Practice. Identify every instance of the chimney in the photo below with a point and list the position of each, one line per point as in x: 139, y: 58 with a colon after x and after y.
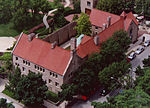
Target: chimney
x: 31, y: 36
x: 104, y: 26
x: 53, y: 45
x: 109, y: 21
x: 96, y: 40
x: 73, y: 44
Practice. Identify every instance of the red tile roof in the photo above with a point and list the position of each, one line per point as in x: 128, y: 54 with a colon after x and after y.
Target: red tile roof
x: 131, y: 16
x: 40, y: 53
x: 87, y: 47
x: 127, y: 23
x: 70, y: 17
x: 98, y: 17
x: 108, y: 32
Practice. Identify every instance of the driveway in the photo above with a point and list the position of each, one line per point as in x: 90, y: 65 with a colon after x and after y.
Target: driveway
x: 6, y: 42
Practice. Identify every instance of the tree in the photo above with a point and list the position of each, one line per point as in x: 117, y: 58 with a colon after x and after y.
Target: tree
x: 146, y: 62
x: 26, y: 14
x: 5, y: 11
x: 139, y: 71
x: 86, y: 81
x: 112, y: 6
x: 76, y: 6
x: 31, y: 89
x: 127, y: 99
x: 83, y: 25
x: 59, y: 19
x: 4, y: 104
x: 116, y: 46
x: 67, y: 93
x: 144, y: 81
x: 110, y: 76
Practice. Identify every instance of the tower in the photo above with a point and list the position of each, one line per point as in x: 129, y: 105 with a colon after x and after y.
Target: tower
x: 87, y: 5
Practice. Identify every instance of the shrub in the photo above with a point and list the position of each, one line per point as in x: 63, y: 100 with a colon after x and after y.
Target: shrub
x: 52, y: 96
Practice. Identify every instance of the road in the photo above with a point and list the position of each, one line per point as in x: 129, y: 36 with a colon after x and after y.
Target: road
x: 139, y: 58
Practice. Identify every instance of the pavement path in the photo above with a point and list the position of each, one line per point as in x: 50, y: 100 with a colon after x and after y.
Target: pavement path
x: 6, y: 42
x: 50, y: 12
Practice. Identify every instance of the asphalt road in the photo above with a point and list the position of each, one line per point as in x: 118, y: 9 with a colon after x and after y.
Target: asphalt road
x: 139, y: 58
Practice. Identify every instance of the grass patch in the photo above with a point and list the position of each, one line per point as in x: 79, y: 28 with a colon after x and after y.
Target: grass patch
x: 8, y: 30
x: 8, y: 93
x: 52, y: 96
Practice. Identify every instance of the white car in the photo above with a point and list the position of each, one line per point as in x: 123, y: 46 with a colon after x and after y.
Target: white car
x: 139, y: 50
x: 147, y: 43
x: 132, y: 56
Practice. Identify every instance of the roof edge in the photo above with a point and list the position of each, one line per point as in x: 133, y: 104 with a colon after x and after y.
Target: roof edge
x: 67, y: 65
x: 17, y: 42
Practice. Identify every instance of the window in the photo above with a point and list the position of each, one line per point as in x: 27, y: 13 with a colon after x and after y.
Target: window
x: 53, y: 74
x: 56, y: 75
x: 88, y: 3
x: 56, y: 83
x: 15, y: 63
x: 50, y: 73
x: 16, y: 58
x: 40, y: 69
x: 96, y: 27
x: 50, y: 81
x: 35, y: 66
x: 43, y: 70
x: 23, y: 61
x: 28, y: 63
x: 18, y: 65
x: 23, y: 69
x: 29, y: 71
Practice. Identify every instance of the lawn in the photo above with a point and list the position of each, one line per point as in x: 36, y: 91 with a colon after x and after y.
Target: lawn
x: 52, y: 96
x: 8, y: 30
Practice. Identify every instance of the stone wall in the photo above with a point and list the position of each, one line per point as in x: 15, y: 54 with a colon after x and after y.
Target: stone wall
x: 62, y: 35
x: 134, y: 34
x: 49, y: 76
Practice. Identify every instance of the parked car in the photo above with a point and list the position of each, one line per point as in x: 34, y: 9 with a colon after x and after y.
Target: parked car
x: 139, y: 50
x: 104, y: 92
x: 132, y: 56
x: 147, y: 43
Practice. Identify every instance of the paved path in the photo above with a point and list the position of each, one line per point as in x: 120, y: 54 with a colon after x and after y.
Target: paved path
x: 15, y: 103
x: 6, y: 42
x: 50, y: 12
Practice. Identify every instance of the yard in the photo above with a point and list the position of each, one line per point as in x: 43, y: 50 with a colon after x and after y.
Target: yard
x: 7, y: 30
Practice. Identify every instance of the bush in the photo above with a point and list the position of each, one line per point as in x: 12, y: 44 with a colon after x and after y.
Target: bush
x: 6, y: 56
x: 8, y: 93
x: 52, y: 96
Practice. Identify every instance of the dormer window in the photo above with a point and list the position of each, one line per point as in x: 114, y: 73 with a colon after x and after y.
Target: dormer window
x: 88, y: 3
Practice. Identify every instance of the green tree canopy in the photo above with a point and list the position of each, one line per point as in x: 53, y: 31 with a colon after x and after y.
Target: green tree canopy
x: 31, y: 89
x: 110, y: 76
x: 4, y: 104
x: 144, y: 81
x: 83, y: 25
x: 127, y: 99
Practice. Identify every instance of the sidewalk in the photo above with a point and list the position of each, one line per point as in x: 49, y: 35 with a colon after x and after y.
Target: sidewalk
x: 15, y: 103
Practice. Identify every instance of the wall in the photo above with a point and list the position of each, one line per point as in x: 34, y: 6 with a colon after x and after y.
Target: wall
x: 134, y: 28
x: 62, y: 35
x: 83, y: 4
x: 46, y: 74
x: 74, y: 65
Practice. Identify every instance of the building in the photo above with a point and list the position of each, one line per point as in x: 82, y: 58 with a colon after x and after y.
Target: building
x: 87, y: 5
x: 55, y: 63
x: 101, y: 20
